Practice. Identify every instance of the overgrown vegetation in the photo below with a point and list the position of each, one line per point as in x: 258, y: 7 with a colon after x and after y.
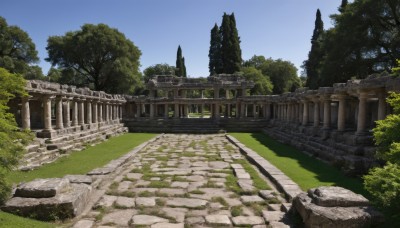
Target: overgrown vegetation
x: 12, y: 139
x: 384, y: 182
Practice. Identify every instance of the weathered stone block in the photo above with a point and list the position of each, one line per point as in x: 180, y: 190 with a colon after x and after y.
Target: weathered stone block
x: 354, y: 213
x: 67, y: 204
x: 41, y: 188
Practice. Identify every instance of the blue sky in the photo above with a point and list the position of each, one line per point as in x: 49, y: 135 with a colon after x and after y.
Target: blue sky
x: 272, y: 28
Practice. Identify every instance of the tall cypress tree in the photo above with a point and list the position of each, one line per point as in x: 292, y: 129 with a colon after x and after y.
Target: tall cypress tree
x: 214, y: 54
x: 183, y: 67
x: 316, y: 54
x: 230, y: 45
x: 225, y: 31
x: 179, y: 62
x: 236, y: 54
x: 343, y: 6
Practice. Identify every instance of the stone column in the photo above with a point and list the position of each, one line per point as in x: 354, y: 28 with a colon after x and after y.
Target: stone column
x: 25, y: 113
x: 107, y: 109
x: 47, y: 112
x: 120, y: 111
x: 341, y: 112
x: 95, y: 114
x: 362, y: 107
x: 176, y: 110
x: 254, y: 111
x: 327, y: 112
x: 300, y: 117
x: 305, y: 112
x: 381, y: 105
x: 202, y: 110
x: 237, y: 113
x: 242, y: 110
x: 100, y: 112
x: 74, y: 112
x: 267, y: 111
x: 88, y: 111
x: 151, y: 110
x: 166, y: 111
x: 66, y: 113
x: 217, y: 107
x: 229, y: 110
x: 59, y: 113
x: 316, y: 112
x: 81, y: 110
x: 227, y: 94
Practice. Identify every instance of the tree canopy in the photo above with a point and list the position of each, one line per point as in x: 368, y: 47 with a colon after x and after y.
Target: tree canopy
x: 180, y: 69
x: 101, y: 56
x: 12, y: 140
x: 365, y: 39
x: 17, y: 51
x: 215, y: 64
x: 282, y: 74
x: 158, y: 69
x: 311, y: 66
x: 225, y: 54
x: 263, y: 85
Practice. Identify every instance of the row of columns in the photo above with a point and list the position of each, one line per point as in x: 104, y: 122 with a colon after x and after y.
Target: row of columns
x: 299, y: 112
x: 95, y: 111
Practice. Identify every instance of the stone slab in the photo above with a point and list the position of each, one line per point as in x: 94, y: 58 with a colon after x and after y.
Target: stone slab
x: 336, y: 197
x: 147, y: 220
x: 62, y: 206
x: 84, y: 223
x: 120, y: 217
x: 251, y: 199
x: 168, y: 225
x: 186, y: 202
x: 218, y: 220
x: 247, y: 220
x: 79, y: 179
x: 41, y: 188
x: 125, y: 202
x: 145, y: 201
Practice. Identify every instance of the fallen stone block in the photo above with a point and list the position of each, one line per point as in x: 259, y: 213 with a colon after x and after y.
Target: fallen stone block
x: 329, y: 207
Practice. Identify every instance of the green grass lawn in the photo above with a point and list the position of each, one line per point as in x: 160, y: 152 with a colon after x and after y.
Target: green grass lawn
x: 77, y: 163
x: 81, y: 162
x: 9, y: 221
x: 306, y: 171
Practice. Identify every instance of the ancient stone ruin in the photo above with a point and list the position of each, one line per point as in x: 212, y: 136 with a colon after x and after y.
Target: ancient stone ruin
x: 333, y: 124
x: 335, y: 207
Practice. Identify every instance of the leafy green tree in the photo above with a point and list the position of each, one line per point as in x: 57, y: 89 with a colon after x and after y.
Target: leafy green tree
x: 283, y: 74
x: 12, y: 140
x: 230, y: 45
x: 34, y: 72
x: 215, y: 64
x: 54, y: 75
x: 312, y: 64
x: 158, y: 69
x: 180, y: 70
x: 102, y: 56
x: 364, y: 40
x: 17, y: 51
x: 263, y: 85
x: 384, y: 182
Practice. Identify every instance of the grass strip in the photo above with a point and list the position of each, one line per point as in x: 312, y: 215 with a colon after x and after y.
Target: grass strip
x: 306, y: 171
x: 81, y: 162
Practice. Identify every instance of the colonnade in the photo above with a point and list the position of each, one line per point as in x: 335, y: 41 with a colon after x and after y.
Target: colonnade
x: 72, y: 111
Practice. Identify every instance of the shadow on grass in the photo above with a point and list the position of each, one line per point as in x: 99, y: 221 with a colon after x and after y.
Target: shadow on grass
x: 307, y: 171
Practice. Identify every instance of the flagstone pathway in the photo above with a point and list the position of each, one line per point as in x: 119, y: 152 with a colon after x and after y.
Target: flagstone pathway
x: 187, y: 181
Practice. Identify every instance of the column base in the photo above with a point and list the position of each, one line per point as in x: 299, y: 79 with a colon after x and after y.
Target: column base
x: 46, y: 134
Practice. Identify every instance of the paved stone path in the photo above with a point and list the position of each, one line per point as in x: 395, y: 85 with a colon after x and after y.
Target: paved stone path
x: 186, y: 181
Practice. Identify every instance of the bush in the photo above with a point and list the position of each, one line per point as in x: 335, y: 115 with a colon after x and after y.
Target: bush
x: 12, y: 140
x: 384, y: 182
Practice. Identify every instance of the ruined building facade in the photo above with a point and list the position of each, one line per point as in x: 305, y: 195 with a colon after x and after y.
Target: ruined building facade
x: 331, y: 123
